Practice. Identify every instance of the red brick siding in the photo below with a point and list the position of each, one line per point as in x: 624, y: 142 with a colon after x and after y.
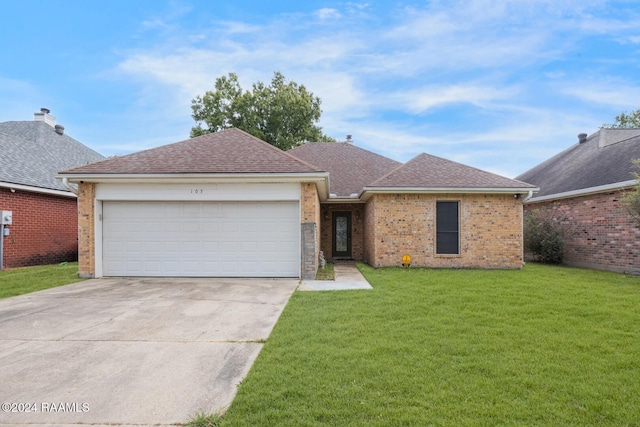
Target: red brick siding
x: 598, y: 231
x: 44, y: 229
x: 490, y: 230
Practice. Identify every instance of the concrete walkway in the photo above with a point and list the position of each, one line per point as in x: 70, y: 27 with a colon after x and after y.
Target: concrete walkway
x: 347, y: 277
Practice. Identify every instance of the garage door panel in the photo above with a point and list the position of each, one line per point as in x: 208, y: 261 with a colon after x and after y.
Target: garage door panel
x: 201, y: 239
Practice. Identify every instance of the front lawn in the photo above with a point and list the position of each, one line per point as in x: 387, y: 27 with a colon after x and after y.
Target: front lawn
x: 20, y: 281
x: 541, y: 346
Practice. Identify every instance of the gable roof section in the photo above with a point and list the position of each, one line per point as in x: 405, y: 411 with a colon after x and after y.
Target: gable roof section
x: 33, y: 153
x: 231, y: 151
x: 350, y: 168
x: 430, y: 173
x: 603, y: 161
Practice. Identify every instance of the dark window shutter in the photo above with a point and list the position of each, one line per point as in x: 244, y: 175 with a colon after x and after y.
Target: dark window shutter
x: 447, y: 228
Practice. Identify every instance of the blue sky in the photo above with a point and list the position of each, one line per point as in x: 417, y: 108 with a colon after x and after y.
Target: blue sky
x: 500, y: 85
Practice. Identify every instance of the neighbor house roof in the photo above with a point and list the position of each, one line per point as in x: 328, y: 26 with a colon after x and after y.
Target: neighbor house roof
x: 33, y: 152
x: 350, y: 168
x: 231, y: 151
x: 602, y: 161
x: 430, y: 172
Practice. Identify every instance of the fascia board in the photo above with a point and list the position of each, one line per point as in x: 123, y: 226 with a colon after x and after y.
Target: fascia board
x: 584, y: 191
x: 38, y: 189
x: 368, y: 191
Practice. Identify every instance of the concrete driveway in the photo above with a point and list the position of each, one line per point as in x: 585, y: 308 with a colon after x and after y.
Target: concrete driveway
x: 132, y: 351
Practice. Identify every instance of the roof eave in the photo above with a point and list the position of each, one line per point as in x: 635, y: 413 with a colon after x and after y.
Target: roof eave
x: 41, y: 190
x: 369, y: 191
x: 585, y: 191
x: 320, y: 178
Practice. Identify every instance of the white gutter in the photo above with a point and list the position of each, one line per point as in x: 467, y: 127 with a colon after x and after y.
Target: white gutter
x: 138, y: 177
x: 585, y: 191
x: 65, y: 182
x: 320, y: 178
x: 37, y: 189
x: 529, y: 196
x: 366, y: 191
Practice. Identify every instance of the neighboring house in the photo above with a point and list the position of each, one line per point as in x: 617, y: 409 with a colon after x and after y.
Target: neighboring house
x: 229, y: 204
x: 581, y: 189
x: 44, y: 229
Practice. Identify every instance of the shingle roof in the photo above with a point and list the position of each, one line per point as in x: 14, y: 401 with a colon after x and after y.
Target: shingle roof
x: 426, y: 171
x: 32, y: 153
x: 228, y: 151
x: 604, y: 158
x: 350, y: 168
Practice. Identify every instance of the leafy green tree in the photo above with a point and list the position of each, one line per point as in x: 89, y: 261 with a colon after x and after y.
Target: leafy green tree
x: 283, y: 113
x: 624, y: 120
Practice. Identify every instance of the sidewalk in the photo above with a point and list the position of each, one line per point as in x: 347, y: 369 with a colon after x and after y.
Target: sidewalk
x: 347, y: 277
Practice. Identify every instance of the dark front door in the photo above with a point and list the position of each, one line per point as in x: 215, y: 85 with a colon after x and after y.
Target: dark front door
x: 342, y: 234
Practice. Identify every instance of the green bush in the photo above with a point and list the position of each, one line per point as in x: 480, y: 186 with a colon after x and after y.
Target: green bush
x: 543, y: 238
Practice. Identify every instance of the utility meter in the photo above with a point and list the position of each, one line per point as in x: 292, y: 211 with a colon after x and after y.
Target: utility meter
x: 6, y: 217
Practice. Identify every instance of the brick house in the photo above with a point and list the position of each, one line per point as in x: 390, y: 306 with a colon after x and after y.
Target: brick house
x: 44, y: 229
x: 229, y: 204
x: 581, y: 189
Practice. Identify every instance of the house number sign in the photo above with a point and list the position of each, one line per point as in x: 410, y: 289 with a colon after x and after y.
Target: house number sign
x: 197, y: 191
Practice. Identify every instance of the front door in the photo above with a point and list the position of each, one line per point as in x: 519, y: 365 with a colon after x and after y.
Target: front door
x: 342, y: 234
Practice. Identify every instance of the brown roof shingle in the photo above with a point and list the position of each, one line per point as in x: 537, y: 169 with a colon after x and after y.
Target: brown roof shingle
x: 350, y: 168
x: 228, y: 151
x: 426, y: 171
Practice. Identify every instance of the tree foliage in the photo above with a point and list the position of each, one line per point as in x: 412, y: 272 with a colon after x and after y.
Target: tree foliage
x: 285, y: 114
x: 631, y: 200
x: 543, y: 238
x: 625, y: 121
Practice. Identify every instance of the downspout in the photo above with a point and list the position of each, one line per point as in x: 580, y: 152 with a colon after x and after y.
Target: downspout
x: 529, y: 196
x: 1, y: 245
x: 65, y: 182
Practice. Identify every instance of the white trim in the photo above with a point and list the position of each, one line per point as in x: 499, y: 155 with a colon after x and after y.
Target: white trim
x: 38, y: 190
x: 97, y: 237
x: 197, y: 177
x: 320, y: 178
x: 585, y: 191
x: 367, y: 191
x: 198, y: 192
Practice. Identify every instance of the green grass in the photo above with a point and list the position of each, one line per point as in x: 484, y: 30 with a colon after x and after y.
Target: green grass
x: 543, y: 346
x: 326, y: 273
x: 30, y: 279
x: 202, y: 419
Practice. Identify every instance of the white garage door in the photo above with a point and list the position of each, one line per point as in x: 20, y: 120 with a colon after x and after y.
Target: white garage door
x: 201, y: 239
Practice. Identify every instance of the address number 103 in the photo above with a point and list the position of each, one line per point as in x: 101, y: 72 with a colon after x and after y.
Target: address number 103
x: 197, y: 191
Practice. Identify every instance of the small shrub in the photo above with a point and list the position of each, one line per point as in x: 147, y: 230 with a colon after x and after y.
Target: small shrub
x: 543, y: 238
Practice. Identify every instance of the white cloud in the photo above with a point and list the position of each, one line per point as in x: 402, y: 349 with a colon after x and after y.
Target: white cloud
x: 327, y: 13
x: 406, y: 66
x: 614, y: 93
x: 423, y: 99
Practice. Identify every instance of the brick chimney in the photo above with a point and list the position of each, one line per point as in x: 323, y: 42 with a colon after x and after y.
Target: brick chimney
x: 44, y: 116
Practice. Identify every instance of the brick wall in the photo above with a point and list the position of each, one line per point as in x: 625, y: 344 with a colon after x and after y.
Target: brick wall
x: 490, y: 230
x: 311, y: 229
x: 44, y: 229
x: 86, y: 230
x: 598, y: 231
x: 357, y: 228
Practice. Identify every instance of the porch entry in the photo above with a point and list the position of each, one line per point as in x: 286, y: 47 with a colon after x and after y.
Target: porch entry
x: 342, y: 235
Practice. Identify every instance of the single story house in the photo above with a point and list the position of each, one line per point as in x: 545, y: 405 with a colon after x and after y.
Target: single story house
x: 581, y: 189
x: 229, y: 204
x: 44, y: 226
